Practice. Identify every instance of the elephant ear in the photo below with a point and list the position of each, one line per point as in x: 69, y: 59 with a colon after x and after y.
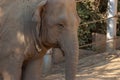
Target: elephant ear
x: 38, y: 12
x: 37, y: 18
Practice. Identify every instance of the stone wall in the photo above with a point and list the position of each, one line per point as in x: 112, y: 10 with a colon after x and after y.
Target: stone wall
x: 100, y: 42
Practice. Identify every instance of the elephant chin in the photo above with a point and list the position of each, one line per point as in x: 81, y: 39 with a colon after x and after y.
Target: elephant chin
x: 71, y: 51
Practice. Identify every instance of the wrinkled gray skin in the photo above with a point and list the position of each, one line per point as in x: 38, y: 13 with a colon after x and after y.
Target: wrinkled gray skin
x: 28, y: 28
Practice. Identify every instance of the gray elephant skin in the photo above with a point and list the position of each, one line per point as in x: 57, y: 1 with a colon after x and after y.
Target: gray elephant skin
x: 28, y: 28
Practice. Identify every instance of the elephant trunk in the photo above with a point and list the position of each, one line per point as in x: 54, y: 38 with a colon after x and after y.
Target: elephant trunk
x: 71, y: 50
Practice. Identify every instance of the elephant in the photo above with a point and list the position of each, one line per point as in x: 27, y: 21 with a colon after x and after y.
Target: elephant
x: 47, y: 62
x: 28, y: 28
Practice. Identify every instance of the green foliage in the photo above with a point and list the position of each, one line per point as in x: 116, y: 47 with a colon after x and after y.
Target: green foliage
x: 87, y: 13
x: 118, y: 27
x: 91, y: 10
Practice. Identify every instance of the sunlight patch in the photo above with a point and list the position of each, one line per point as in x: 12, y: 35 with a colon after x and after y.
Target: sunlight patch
x: 20, y: 37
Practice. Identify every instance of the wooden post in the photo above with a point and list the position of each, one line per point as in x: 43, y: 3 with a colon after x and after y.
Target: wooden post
x: 111, y: 25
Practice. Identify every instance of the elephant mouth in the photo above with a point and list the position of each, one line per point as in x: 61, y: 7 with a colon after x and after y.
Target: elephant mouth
x: 51, y: 45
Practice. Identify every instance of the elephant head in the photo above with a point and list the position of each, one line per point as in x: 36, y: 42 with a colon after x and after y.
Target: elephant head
x: 57, y: 24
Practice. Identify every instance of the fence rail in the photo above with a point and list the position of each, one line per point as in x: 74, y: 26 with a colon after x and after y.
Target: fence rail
x: 94, y: 21
x: 91, y: 22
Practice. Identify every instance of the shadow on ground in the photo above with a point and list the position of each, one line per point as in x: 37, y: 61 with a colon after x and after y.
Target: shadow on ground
x: 102, y: 66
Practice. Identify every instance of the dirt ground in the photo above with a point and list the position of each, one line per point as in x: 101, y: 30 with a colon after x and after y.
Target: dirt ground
x: 104, y: 66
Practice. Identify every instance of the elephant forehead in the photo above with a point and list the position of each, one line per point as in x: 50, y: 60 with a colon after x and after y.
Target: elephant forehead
x: 56, y: 7
x: 60, y: 11
x: 61, y: 1
x: 1, y: 12
x: 65, y: 3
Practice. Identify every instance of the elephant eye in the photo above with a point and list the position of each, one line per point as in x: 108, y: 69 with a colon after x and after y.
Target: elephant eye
x: 61, y: 26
